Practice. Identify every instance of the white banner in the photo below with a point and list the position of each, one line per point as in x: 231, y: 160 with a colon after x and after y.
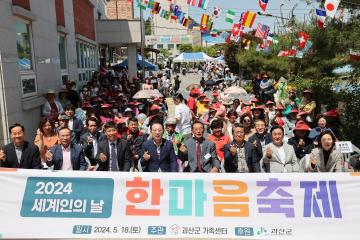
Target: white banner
x: 60, y: 204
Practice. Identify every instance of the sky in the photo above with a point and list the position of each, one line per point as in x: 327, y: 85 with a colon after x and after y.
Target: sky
x: 301, y: 10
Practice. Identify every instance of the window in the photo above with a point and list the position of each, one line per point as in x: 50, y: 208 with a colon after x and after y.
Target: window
x: 160, y: 46
x: 28, y: 84
x: 23, y: 44
x: 62, y: 52
x: 25, y: 57
x: 87, y: 60
x: 171, y: 46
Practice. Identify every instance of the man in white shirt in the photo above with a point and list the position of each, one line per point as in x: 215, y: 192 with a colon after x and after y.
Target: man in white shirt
x: 183, y: 117
x: 66, y: 155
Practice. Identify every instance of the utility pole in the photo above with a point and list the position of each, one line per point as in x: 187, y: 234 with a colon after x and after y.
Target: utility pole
x: 142, y: 31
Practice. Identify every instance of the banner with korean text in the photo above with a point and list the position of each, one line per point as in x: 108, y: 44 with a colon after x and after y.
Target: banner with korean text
x: 60, y: 204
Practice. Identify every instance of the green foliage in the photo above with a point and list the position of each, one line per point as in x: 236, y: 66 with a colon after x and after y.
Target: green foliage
x: 165, y: 53
x: 315, y: 70
x: 185, y: 48
x: 230, y: 57
x: 350, y: 116
x: 212, y: 51
x: 252, y: 62
x: 148, y: 30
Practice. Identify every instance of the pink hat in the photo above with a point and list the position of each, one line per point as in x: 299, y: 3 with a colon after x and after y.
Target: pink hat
x: 155, y: 108
x: 106, y: 105
x: 303, y: 113
x: 301, y: 126
x: 254, y: 99
x: 118, y: 120
x: 279, y: 107
x: 195, y: 91
x: 260, y: 107
x: 294, y: 110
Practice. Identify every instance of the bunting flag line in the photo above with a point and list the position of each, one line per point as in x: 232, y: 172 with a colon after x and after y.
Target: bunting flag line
x: 203, y: 4
x: 230, y: 15
x: 331, y: 7
x: 185, y: 22
x: 151, y: 4
x: 248, y: 19
x: 262, y: 31
x: 272, y: 39
x: 236, y: 32
x: 156, y: 8
x: 191, y: 2
x: 142, y: 4
x: 321, y: 17
x: 303, y: 38
x: 214, y: 33
x: 216, y: 13
x: 287, y: 53
x: 236, y: 29
x: 204, y: 22
x: 165, y: 14
x: 263, y: 4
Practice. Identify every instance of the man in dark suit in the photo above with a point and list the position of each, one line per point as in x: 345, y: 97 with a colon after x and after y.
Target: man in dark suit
x: 114, y: 154
x: 74, y: 124
x: 158, y: 154
x: 66, y: 155
x: 258, y: 141
x: 91, y: 139
x: 237, y: 153
x: 199, y: 152
x: 20, y: 153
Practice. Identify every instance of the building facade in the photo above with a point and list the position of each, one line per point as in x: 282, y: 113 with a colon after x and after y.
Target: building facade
x: 120, y: 9
x: 42, y: 45
x: 168, y: 34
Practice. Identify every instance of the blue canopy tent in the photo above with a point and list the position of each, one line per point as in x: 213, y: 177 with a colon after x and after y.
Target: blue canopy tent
x: 193, y: 57
x: 148, y: 65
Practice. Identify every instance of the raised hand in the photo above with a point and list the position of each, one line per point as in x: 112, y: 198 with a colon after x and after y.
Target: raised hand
x: 183, y: 148
x: 146, y: 156
x: 233, y: 150
x: 48, y: 155
x: 102, y: 157
x: 268, y: 152
x: 2, y: 155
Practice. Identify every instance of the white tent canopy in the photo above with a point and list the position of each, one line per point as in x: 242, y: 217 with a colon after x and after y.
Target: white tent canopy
x: 193, y: 57
x: 220, y: 59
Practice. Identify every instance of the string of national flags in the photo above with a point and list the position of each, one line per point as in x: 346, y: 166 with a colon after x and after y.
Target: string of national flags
x: 174, y: 13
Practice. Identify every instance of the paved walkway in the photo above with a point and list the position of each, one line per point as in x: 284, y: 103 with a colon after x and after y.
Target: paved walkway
x: 186, y: 80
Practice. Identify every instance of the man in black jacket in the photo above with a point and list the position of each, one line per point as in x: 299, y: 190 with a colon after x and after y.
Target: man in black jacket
x: 237, y: 153
x: 91, y: 139
x: 20, y: 153
x: 75, y: 125
x: 114, y: 153
x: 258, y: 141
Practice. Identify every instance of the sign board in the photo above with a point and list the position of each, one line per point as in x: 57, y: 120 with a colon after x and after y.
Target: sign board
x: 344, y: 146
x: 168, y: 205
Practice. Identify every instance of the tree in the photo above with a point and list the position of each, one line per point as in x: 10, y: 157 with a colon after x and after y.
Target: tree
x: 148, y: 26
x: 185, y: 48
x: 165, y: 53
x: 330, y: 50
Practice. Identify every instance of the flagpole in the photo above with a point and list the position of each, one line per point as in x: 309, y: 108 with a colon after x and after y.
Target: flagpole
x: 142, y: 31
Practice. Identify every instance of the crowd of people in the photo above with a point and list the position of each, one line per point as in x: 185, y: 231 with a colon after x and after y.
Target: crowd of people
x: 102, y: 128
